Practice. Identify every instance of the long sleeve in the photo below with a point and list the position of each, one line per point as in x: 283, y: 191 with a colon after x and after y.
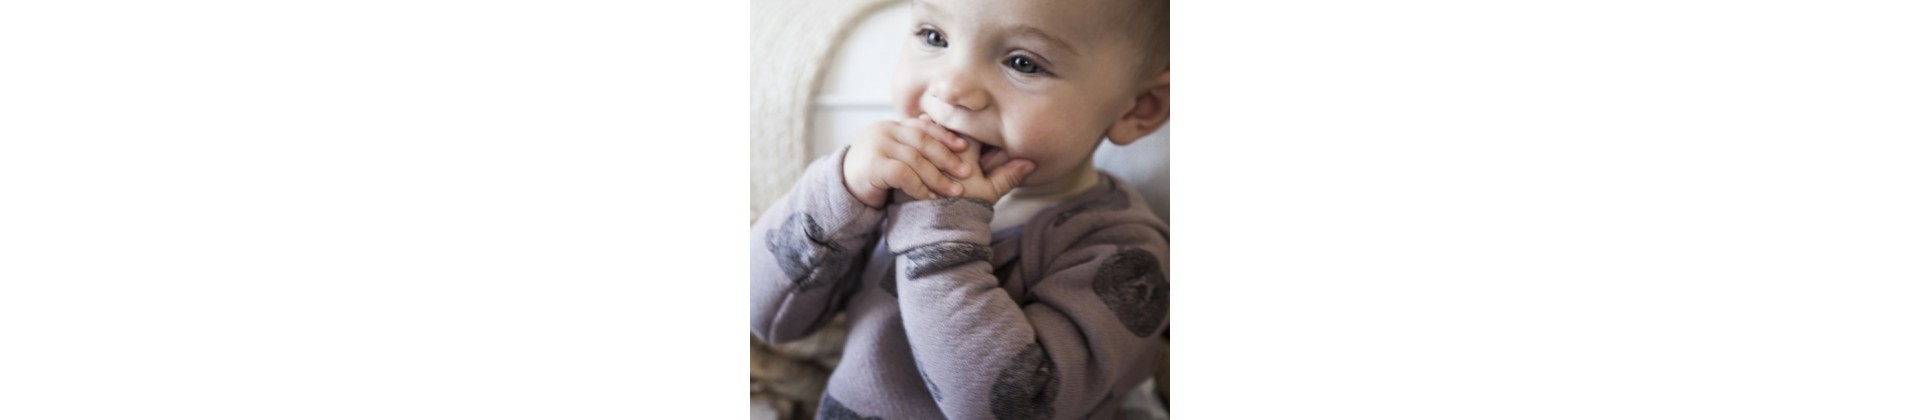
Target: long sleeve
x: 806, y: 252
x: 1061, y: 351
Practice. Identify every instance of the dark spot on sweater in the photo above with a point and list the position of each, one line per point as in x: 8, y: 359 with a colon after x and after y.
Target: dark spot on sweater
x: 944, y: 255
x: 1134, y: 287
x: 832, y: 409
x: 1026, y: 387
x: 804, y: 253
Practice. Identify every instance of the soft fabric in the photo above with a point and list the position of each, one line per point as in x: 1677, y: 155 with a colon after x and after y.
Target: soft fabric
x: 1057, y: 318
x: 792, y: 42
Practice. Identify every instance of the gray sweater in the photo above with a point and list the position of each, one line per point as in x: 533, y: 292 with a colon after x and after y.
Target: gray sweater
x: 1056, y: 318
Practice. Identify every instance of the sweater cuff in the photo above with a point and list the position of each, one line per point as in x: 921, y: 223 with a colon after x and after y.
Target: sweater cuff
x: 843, y: 209
x: 916, y: 224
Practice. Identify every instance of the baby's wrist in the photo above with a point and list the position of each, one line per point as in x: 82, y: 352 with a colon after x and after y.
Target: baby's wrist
x: 864, y: 195
x: 954, y: 219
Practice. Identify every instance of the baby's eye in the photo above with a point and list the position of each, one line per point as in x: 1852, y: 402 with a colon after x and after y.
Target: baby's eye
x: 1023, y: 65
x: 933, y: 37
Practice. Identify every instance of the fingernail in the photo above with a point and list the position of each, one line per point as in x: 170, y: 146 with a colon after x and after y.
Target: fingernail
x: 953, y: 189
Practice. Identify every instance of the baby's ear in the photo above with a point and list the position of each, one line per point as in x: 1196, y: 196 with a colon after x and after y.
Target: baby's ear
x: 1149, y: 112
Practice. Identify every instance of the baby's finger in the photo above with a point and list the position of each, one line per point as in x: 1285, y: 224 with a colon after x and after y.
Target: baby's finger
x: 948, y: 137
x: 971, y: 156
x: 945, y: 159
x: 1010, y: 175
x: 928, y: 172
x: 937, y: 180
x: 899, y: 175
x: 914, y: 134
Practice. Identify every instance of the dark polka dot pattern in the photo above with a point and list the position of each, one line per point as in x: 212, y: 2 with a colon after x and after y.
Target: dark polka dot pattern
x: 1134, y: 287
x: 1026, y: 388
x: 944, y: 255
x: 801, y: 248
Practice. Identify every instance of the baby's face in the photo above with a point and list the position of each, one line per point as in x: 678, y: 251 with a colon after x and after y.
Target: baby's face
x: 1041, y: 79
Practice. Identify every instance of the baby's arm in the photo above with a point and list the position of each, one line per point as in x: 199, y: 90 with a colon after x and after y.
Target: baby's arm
x: 983, y: 355
x: 806, y: 253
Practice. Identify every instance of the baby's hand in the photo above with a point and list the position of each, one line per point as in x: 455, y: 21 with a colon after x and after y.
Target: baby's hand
x: 990, y: 186
x: 909, y: 156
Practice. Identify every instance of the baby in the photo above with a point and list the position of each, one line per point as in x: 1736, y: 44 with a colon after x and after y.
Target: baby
x: 986, y: 269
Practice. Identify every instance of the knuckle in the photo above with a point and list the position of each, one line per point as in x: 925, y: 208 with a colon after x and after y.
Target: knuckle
x: 935, y: 149
x: 878, y: 131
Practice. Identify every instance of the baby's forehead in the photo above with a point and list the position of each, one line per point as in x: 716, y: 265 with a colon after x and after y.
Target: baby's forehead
x: 1076, y: 22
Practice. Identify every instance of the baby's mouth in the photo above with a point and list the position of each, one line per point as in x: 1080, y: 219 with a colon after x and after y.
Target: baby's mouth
x: 991, y: 157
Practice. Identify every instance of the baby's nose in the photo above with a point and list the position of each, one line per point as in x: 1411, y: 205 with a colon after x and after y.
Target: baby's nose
x: 960, y: 92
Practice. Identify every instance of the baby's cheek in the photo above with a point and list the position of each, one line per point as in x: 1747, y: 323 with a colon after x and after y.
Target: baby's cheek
x: 906, y: 104
x: 1051, y: 145
x: 906, y: 94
